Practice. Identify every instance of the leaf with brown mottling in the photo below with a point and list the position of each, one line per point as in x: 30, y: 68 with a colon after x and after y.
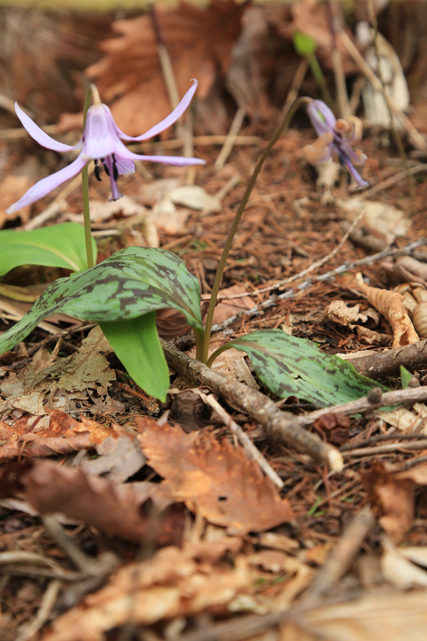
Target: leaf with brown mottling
x: 215, y: 478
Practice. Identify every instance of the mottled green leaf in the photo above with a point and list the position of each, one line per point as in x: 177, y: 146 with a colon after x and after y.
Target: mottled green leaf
x: 291, y: 366
x: 137, y: 344
x: 133, y: 282
x: 56, y: 246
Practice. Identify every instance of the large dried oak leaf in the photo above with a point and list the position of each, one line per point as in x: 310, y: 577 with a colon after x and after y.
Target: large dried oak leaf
x: 227, y: 488
x: 114, y: 509
x: 199, y: 42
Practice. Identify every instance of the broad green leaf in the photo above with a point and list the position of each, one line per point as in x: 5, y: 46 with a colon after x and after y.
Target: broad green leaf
x: 304, y: 45
x: 56, y: 246
x: 131, y: 283
x: 137, y: 344
x: 291, y: 366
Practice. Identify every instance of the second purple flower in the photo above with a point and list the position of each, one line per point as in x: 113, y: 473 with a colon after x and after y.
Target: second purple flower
x: 336, y: 137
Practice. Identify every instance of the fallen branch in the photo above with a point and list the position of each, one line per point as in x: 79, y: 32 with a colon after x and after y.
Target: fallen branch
x: 388, y: 363
x: 277, y: 424
x: 368, y: 403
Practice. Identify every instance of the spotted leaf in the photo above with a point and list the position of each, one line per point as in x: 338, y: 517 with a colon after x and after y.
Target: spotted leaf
x: 291, y: 366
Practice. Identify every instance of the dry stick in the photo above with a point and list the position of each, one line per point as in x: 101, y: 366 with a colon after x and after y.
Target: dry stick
x: 384, y: 449
x: 231, y: 138
x: 388, y: 363
x: 43, y: 613
x: 336, y: 26
x: 393, y: 180
x: 341, y: 557
x: 408, y: 395
x: 296, y: 85
x: 277, y: 424
x: 251, y: 450
x: 417, y: 139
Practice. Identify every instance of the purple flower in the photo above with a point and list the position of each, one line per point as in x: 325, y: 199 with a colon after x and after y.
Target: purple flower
x: 336, y: 137
x: 102, y: 142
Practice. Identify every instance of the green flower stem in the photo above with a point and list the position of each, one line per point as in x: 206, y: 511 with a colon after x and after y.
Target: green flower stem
x: 85, y: 187
x: 221, y: 266
x: 217, y: 352
x: 199, y: 335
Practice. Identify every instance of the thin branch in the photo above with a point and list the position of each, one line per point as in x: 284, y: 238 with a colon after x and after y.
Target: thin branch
x: 367, y: 403
x: 251, y: 450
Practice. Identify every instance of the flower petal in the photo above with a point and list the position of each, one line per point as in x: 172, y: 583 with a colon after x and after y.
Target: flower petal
x: 38, y: 134
x: 46, y: 185
x: 124, y: 167
x: 181, y: 161
x: 100, y: 137
x: 361, y: 183
x: 168, y: 121
x: 322, y: 118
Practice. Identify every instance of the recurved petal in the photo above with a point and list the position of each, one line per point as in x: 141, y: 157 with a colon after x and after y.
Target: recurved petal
x: 46, y: 185
x: 351, y: 128
x: 319, y: 151
x: 100, y: 136
x: 38, y: 134
x: 322, y: 118
x: 124, y: 154
x: 168, y: 121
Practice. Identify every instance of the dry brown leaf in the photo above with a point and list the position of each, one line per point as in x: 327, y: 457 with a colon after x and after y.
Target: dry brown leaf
x: 113, y: 509
x: 118, y: 460
x: 173, y: 583
x: 392, y: 306
x: 390, y: 616
x: 215, y: 478
x: 391, y: 493
x: 339, y: 312
x: 62, y: 435
x: 199, y: 42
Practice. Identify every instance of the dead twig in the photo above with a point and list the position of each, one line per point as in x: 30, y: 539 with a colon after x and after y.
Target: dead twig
x: 409, y: 395
x: 46, y: 606
x: 341, y: 558
x: 388, y: 363
x: 277, y: 424
x: 236, y: 125
x: 251, y: 450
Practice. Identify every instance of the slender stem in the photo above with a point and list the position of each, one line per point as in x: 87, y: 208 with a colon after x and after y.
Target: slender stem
x: 218, y: 351
x: 221, y: 266
x: 86, y: 217
x: 85, y: 185
x: 199, y: 335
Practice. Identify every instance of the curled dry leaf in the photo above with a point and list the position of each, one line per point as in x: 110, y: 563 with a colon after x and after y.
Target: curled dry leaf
x: 175, y: 583
x: 392, y: 306
x: 339, y: 312
x: 115, y: 510
x: 215, y: 478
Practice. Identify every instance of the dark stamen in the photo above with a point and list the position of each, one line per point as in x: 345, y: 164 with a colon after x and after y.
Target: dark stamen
x: 104, y: 164
x: 97, y: 171
x: 115, y: 170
